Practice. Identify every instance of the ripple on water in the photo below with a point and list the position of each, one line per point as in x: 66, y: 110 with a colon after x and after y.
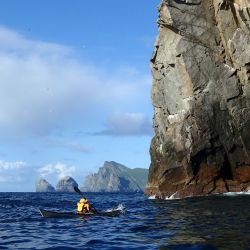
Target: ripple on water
x: 219, y: 222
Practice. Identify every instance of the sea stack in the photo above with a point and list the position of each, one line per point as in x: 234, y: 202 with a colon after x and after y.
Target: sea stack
x: 44, y: 186
x: 66, y: 184
x: 201, y: 98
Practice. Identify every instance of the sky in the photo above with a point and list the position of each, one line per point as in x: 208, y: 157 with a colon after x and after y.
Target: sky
x: 75, y: 87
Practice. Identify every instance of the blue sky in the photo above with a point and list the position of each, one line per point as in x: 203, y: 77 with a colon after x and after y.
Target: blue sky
x: 75, y: 88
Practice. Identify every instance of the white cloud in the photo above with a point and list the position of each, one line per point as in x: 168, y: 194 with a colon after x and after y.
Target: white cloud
x: 127, y: 124
x: 4, y: 165
x: 12, y: 172
x: 56, y: 171
x: 44, y: 86
x: 22, y: 176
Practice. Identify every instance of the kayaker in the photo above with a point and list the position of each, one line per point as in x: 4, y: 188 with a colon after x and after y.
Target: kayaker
x: 83, y: 206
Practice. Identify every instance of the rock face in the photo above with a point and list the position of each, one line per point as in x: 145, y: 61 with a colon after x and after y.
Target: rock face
x: 200, y: 94
x: 114, y: 177
x: 66, y: 184
x: 43, y: 186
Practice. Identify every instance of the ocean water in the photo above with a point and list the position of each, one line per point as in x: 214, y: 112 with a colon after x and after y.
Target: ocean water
x: 218, y: 222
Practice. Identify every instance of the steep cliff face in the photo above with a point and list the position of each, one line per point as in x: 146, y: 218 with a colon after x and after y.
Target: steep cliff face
x: 115, y: 177
x: 200, y: 94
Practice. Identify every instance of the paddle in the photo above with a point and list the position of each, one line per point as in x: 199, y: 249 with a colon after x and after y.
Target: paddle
x: 80, y: 192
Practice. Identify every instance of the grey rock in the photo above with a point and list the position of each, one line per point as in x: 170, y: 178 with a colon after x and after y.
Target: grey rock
x: 43, y: 185
x: 201, y: 98
x: 66, y: 184
x: 114, y: 177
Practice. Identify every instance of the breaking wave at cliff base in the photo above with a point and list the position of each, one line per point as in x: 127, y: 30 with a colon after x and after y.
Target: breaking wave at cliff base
x: 236, y: 193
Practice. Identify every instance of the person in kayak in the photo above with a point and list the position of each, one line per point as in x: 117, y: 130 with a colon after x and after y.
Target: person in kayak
x: 83, y: 206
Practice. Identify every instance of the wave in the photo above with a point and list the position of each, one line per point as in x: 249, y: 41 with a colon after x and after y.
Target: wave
x: 237, y: 193
x: 172, y: 197
x: 152, y: 197
x: 120, y: 208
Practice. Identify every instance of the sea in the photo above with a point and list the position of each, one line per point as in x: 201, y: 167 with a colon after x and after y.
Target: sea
x: 213, y: 222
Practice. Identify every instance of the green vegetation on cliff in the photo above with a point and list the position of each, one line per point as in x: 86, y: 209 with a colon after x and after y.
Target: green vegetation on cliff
x: 115, y: 177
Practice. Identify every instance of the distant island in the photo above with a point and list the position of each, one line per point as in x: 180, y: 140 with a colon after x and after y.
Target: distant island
x: 115, y: 177
x: 65, y: 185
x: 43, y: 185
x: 111, y: 177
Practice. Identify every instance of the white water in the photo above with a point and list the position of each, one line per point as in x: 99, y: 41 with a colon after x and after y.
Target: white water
x: 237, y: 193
x: 120, y: 207
x: 172, y: 197
x: 152, y: 197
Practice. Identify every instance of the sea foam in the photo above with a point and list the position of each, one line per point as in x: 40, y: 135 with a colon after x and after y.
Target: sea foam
x: 120, y: 208
x: 152, y: 197
x: 237, y: 193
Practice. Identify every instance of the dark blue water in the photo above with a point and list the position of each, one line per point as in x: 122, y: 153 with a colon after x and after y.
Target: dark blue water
x: 220, y: 222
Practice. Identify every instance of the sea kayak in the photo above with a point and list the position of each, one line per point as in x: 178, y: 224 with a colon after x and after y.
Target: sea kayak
x: 55, y: 214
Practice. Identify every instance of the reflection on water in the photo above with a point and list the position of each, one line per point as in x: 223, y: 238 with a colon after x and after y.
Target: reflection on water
x: 219, y: 222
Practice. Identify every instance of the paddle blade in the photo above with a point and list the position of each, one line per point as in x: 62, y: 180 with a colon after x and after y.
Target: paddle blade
x: 79, y: 191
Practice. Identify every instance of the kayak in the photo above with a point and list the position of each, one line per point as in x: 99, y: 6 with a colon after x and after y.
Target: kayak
x: 55, y: 214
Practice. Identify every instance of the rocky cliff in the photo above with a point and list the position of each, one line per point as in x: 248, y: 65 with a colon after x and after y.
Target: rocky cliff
x: 114, y: 177
x: 66, y: 184
x: 44, y: 186
x: 200, y: 94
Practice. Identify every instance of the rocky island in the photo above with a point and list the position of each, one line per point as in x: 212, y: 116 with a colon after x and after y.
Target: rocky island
x: 66, y: 185
x: 43, y: 185
x: 115, y: 177
x: 201, y: 98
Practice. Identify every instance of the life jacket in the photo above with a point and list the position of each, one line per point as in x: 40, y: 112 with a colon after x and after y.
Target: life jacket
x: 83, y: 206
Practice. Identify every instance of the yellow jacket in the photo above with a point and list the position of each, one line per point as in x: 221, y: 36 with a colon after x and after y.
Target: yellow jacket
x: 83, y: 206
